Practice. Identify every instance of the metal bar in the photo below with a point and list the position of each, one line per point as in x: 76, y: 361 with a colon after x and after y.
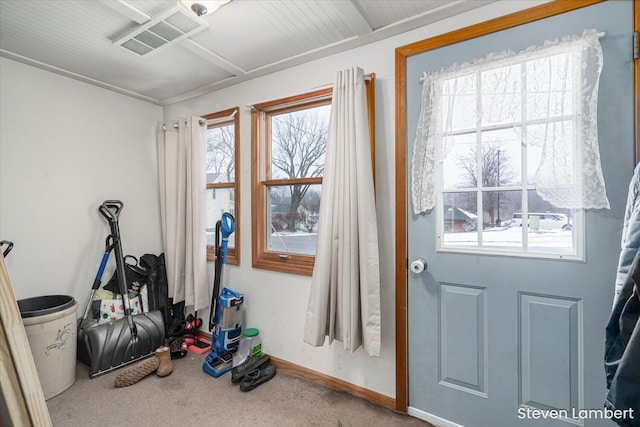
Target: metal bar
x: 208, y: 122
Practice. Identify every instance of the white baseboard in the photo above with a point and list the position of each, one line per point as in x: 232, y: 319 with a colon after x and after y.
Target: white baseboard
x: 435, y: 420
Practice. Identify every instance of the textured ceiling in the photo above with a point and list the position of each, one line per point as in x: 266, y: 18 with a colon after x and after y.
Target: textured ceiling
x: 243, y: 39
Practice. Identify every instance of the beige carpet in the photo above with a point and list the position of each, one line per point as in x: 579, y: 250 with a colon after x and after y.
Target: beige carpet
x: 190, y: 397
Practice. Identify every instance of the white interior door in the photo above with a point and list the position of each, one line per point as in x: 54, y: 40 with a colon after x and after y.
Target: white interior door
x: 497, y: 339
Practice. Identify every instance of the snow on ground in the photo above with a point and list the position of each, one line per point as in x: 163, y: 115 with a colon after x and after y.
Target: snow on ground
x: 557, y: 241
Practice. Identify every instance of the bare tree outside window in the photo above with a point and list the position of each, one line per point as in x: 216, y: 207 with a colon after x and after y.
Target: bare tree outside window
x: 496, y: 156
x: 288, y: 146
x: 496, y: 171
x: 220, y: 152
x: 298, y: 145
x: 222, y: 181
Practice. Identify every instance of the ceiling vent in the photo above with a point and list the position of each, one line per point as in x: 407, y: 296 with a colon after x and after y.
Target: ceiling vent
x: 163, y: 30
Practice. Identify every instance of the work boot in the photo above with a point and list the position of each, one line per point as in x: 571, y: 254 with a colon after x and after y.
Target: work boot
x: 248, y: 366
x: 255, y: 378
x: 135, y: 373
x: 166, y: 365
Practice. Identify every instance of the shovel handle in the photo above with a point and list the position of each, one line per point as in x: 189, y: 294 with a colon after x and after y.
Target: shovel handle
x: 110, y: 209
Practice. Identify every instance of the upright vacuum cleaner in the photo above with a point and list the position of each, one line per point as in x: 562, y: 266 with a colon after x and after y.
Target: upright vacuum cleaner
x: 225, y: 318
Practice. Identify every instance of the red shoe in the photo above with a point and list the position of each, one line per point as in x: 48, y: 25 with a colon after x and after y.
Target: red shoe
x: 192, y: 323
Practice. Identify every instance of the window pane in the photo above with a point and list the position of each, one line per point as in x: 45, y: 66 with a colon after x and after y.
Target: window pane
x: 498, y: 207
x: 219, y: 200
x: 550, y: 229
x: 499, y: 210
x: 509, y: 132
x: 459, y: 166
x: 501, y: 158
x: 554, y: 139
x: 548, y: 81
x: 534, y: 156
x: 220, y: 154
x: 292, y: 217
x: 459, y: 102
x: 501, y: 96
x: 460, y: 219
x: 298, y: 143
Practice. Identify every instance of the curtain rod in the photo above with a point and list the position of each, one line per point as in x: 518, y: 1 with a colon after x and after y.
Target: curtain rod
x: 367, y: 77
x: 203, y: 122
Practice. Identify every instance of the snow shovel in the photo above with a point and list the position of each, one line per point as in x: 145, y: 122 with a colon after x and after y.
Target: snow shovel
x: 118, y: 343
x: 85, y: 322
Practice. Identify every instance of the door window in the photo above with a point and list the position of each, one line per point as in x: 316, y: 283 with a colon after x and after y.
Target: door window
x: 510, y: 134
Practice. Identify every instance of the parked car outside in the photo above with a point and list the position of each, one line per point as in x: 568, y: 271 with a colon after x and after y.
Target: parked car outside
x: 546, y: 221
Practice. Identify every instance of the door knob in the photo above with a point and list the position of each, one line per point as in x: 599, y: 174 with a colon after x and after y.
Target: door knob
x: 418, y: 265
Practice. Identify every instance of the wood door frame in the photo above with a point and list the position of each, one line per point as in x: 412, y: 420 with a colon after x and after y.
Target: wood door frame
x: 401, y: 54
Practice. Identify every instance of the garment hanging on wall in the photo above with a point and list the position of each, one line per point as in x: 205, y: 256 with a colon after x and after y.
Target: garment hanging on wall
x: 622, y: 346
x: 622, y: 351
x: 630, y: 232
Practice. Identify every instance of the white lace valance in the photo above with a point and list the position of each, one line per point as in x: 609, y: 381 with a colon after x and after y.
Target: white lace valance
x: 548, y: 93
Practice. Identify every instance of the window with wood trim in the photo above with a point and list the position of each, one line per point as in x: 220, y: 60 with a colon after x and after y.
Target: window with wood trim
x: 223, y: 183
x: 288, y: 145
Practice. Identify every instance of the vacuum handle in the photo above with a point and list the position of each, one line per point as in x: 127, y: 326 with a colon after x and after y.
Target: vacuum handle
x: 110, y: 209
x: 227, y: 227
x: 9, y: 247
x: 224, y: 227
x: 228, y: 224
x: 216, y: 288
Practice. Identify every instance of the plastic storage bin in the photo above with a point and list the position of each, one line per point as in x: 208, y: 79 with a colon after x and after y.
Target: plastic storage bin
x: 50, y: 323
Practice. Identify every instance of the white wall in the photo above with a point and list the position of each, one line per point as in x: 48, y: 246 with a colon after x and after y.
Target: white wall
x: 276, y: 302
x: 66, y: 146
